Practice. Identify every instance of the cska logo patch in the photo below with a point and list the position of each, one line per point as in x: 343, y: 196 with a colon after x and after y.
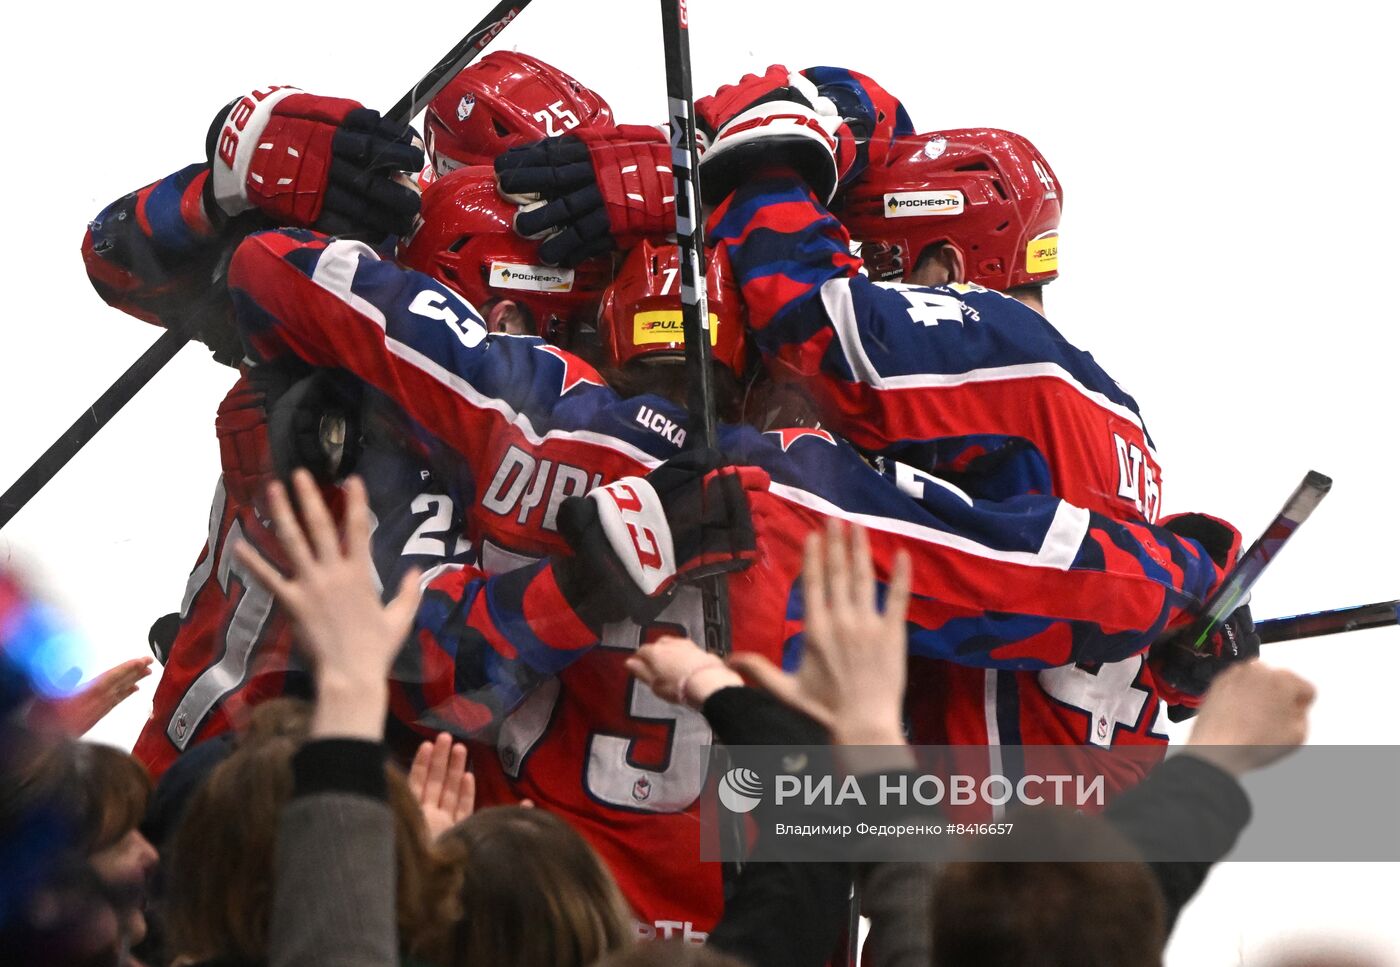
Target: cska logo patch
x: 465, y: 106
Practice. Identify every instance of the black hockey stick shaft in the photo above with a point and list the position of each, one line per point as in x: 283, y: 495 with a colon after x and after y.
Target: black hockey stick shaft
x: 690, y: 239
x: 94, y: 418
x: 1237, y: 583
x: 455, y: 59
x: 1382, y: 614
x: 150, y: 362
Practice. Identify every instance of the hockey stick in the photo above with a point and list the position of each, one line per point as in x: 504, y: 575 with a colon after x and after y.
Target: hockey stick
x: 1233, y: 589
x: 150, y: 362
x: 690, y: 238
x: 1382, y: 614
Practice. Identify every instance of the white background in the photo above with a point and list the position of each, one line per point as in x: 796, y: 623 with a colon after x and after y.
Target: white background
x: 1228, y: 250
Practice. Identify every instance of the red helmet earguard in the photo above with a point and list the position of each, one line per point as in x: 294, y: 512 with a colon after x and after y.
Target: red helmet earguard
x: 640, y: 315
x: 464, y: 239
x: 503, y: 100
x: 990, y: 194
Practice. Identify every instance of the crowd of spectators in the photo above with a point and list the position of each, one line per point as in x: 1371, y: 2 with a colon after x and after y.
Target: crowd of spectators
x: 298, y: 841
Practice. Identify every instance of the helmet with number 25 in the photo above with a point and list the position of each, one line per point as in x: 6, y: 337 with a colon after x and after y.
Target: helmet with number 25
x: 988, y: 193
x: 505, y: 99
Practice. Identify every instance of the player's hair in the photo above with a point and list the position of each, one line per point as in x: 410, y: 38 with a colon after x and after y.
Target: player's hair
x: 667, y: 378
x: 99, y: 791
x: 534, y: 893
x: 1097, y: 909
x: 222, y: 858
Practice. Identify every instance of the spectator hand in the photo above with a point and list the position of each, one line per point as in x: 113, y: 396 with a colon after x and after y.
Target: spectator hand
x: 1253, y: 715
x: 853, y: 667
x: 73, y: 715
x: 680, y: 671
x: 439, y: 780
x: 347, y: 632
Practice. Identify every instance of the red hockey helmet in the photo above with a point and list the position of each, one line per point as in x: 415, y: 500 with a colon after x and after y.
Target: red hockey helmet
x: 989, y: 193
x: 464, y: 239
x: 640, y: 315
x: 502, y: 100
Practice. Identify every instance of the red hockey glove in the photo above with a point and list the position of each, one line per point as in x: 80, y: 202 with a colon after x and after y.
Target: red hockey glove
x: 1182, y: 671
x: 637, y: 537
x: 241, y: 425
x: 314, y: 162
x: 591, y: 191
x: 776, y: 119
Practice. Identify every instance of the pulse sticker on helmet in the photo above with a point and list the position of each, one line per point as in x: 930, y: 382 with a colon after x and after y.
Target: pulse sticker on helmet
x: 663, y: 326
x: 465, y: 106
x: 531, y: 278
x: 903, y: 204
x: 1043, y: 253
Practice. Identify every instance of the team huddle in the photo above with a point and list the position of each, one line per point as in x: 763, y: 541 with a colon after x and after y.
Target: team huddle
x: 488, y: 333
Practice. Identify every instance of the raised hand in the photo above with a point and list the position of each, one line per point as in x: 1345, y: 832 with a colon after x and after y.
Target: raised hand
x: 1253, y: 714
x: 680, y: 671
x: 347, y: 632
x: 75, y: 714
x: 439, y: 780
x: 853, y: 664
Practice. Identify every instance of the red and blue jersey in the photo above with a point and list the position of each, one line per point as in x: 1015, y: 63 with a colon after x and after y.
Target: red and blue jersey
x: 981, y: 390
x: 954, y: 379
x: 233, y: 648
x: 149, y: 251
x: 1028, y: 583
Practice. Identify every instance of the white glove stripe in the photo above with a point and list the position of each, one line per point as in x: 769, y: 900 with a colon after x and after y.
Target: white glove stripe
x: 230, y: 183
x: 634, y: 522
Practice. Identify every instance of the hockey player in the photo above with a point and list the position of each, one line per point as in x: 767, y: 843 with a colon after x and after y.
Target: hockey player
x: 1029, y: 583
x: 961, y: 382
x: 505, y: 99
x: 935, y: 370
x: 151, y: 254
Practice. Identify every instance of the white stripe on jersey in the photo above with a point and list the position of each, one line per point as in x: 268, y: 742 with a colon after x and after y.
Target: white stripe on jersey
x: 520, y: 421
x: 1057, y: 550
x: 989, y: 709
x: 840, y: 308
x: 335, y: 270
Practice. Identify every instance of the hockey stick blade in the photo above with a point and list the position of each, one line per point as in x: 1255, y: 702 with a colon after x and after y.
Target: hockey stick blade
x: 1382, y: 614
x: 141, y: 372
x: 1237, y: 583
